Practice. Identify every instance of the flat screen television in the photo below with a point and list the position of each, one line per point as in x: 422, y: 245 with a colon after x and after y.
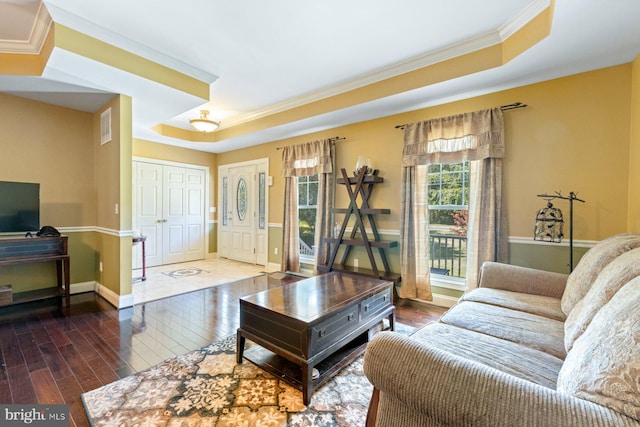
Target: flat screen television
x: 19, y: 207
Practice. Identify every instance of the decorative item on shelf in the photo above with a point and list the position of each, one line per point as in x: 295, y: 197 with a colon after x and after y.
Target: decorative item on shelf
x: 549, y: 224
x: 363, y: 162
x: 204, y: 124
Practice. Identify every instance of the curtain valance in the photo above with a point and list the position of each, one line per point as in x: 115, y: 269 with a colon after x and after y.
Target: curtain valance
x: 307, y: 159
x: 469, y: 136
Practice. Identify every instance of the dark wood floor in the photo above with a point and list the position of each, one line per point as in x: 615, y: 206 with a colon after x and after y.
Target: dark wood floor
x: 49, y: 358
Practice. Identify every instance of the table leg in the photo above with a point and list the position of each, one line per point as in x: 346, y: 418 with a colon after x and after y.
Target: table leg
x: 144, y: 263
x: 59, y: 270
x: 307, y: 383
x: 67, y: 285
x: 240, y: 340
x: 392, y: 321
x: 62, y: 271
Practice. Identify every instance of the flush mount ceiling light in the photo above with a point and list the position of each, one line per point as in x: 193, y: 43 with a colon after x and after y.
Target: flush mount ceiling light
x: 203, y: 124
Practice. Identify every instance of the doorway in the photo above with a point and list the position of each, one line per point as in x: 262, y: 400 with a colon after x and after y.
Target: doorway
x: 242, y: 220
x: 169, y: 208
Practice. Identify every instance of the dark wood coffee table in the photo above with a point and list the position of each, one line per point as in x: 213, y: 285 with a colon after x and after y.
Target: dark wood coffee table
x: 323, y: 322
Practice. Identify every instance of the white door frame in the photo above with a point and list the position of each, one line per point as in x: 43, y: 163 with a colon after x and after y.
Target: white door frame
x: 207, y: 185
x: 262, y: 234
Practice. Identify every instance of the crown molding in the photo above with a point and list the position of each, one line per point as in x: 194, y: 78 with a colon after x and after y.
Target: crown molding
x: 433, y: 57
x: 94, y: 30
x: 455, y: 50
x: 532, y: 10
x: 37, y: 37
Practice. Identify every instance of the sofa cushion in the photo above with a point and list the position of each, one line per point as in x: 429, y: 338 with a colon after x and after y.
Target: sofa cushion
x: 604, y: 364
x: 506, y: 356
x: 615, y: 275
x: 592, y: 263
x: 530, y: 330
x: 534, y: 304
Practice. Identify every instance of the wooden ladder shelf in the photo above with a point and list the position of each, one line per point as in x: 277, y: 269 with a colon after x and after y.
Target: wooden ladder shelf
x: 360, y: 185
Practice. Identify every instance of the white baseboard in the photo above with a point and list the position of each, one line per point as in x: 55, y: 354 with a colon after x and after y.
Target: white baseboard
x: 118, y: 301
x: 79, y: 288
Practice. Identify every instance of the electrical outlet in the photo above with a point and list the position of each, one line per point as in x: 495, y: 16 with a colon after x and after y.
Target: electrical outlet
x: 117, y: 209
x: 275, y: 251
x: 101, y: 266
x: 355, y: 262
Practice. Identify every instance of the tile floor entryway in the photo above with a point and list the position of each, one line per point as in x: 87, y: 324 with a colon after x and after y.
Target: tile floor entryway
x: 187, y: 278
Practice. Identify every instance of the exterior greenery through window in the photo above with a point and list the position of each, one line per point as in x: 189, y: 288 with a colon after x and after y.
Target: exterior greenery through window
x: 448, y: 194
x: 307, y: 206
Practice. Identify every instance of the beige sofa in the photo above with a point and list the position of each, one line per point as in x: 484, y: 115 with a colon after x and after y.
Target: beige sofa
x: 527, y: 348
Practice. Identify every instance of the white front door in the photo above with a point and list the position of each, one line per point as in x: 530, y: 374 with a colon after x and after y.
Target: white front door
x: 241, y: 213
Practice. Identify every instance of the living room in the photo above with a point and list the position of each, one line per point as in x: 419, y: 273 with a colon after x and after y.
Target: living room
x: 558, y: 139
x: 552, y: 139
x: 578, y: 133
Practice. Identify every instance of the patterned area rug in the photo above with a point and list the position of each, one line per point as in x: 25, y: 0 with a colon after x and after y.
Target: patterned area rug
x: 208, y: 388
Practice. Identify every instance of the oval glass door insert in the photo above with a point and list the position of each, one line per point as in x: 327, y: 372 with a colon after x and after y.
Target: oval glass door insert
x: 241, y: 199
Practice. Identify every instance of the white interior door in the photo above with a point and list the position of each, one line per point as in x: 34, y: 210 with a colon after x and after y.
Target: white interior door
x: 170, y: 209
x: 195, y: 214
x: 242, y: 212
x: 174, y: 222
x: 147, y: 212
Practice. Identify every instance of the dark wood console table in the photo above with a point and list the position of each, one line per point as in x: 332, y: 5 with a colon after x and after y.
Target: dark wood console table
x: 39, y: 249
x: 323, y: 322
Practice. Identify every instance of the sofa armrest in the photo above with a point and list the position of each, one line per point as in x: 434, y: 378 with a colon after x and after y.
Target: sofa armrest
x: 441, y: 388
x: 522, y: 279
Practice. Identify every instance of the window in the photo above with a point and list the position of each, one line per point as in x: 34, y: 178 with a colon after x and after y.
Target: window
x: 307, y: 206
x: 448, y: 195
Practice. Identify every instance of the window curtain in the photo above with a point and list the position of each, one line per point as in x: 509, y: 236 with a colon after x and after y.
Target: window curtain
x: 315, y: 157
x: 479, y: 138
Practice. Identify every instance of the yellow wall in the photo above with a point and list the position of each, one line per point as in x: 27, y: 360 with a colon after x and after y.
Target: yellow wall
x: 573, y: 136
x: 107, y: 170
x: 50, y: 145
x: 80, y: 183
x: 112, y: 172
x: 580, y: 133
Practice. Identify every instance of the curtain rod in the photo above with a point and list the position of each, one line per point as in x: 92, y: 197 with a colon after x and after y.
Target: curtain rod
x: 334, y: 139
x: 502, y: 107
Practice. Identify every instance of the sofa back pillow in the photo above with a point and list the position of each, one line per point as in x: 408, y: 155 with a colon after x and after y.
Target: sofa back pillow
x: 592, y: 263
x: 604, y: 364
x: 612, y: 277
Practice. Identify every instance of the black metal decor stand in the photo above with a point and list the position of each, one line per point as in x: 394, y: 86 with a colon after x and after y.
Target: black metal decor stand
x: 572, y: 197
